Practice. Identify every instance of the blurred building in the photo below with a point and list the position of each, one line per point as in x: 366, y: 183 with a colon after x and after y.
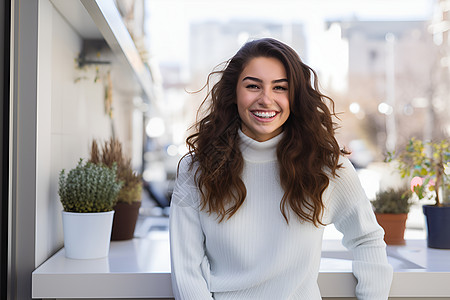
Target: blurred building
x: 386, y: 77
x: 440, y: 30
x: 214, y: 42
x: 392, y: 83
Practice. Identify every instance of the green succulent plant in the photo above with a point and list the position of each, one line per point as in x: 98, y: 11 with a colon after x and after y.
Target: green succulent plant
x: 393, y: 201
x: 89, y: 188
x: 430, y: 162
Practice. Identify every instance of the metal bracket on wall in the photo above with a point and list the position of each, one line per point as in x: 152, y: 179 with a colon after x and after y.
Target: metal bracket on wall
x: 92, y: 50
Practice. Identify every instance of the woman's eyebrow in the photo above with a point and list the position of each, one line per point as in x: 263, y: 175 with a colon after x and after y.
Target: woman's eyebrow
x: 252, y: 78
x: 259, y: 80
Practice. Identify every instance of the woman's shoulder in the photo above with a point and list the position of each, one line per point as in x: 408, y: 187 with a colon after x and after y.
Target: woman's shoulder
x: 186, y: 190
x: 346, y: 163
x: 345, y: 191
x: 187, y: 163
x: 346, y: 179
x: 346, y: 167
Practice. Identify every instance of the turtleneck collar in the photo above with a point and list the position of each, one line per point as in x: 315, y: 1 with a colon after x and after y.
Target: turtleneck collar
x: 255, y: 151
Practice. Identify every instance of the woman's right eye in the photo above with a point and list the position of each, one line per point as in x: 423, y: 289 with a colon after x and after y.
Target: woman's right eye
x: 252, y: 86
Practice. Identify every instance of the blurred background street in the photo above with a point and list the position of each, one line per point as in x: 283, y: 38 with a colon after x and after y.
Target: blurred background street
x: 384, y: 63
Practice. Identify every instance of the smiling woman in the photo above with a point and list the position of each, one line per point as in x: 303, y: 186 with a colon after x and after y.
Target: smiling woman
x: 263, y: 176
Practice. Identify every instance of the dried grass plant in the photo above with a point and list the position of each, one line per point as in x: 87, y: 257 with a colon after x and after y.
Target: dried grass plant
x: 111, y: 153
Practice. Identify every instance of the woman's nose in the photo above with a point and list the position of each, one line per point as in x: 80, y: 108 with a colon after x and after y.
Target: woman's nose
x: 265, y: 97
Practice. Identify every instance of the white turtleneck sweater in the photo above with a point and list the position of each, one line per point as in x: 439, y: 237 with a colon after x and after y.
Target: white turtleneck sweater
x: 255, y: 254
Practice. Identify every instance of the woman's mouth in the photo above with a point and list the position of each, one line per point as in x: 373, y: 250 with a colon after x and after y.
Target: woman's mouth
x: 264, y: 114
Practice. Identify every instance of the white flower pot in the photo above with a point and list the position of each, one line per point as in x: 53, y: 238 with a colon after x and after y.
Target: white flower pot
x: 87, y: 235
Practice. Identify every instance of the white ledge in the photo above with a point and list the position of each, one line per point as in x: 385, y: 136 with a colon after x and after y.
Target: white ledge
x: 140, y: 268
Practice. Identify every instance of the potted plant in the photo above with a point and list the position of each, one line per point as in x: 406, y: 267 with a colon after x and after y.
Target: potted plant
x: 391, y: 208
x: 428, y: 165
x: 129, y: 198
x: 88, y: 194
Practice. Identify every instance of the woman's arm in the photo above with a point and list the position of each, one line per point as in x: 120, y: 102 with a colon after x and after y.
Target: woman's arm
x: 362, y: 235
x: 190, y: 266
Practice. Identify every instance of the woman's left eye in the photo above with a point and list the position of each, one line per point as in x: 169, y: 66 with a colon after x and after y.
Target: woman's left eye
x: 281, y: 88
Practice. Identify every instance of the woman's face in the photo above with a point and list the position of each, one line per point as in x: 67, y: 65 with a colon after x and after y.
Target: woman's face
x: 263, y: 98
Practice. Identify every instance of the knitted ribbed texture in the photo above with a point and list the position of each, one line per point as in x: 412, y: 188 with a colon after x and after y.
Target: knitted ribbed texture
x: 255, y: 254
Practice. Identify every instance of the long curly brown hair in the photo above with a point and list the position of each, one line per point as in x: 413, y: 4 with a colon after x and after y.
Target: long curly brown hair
x: 308, y: 152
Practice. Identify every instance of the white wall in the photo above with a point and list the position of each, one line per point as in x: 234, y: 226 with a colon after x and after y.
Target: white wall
x: 70, y: 114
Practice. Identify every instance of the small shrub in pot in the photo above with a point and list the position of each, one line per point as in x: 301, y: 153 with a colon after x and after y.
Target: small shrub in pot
x: 391, y: 208
x: 89, y: 188
x: 393, y: 201
x: 88, y: 194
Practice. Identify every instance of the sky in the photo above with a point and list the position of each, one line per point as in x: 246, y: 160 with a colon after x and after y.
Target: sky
x: 169, y: 20
x: 294, y: 9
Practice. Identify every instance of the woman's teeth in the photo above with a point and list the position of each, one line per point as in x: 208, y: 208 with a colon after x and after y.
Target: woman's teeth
x: 260, y: 114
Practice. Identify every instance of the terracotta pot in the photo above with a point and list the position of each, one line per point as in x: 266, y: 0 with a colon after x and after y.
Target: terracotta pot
x: 124, y: 220
x: 394, y: 227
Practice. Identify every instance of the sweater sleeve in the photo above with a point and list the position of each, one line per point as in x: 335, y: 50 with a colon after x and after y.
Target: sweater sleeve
x: 189, y: 263
x: 363, y: 236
